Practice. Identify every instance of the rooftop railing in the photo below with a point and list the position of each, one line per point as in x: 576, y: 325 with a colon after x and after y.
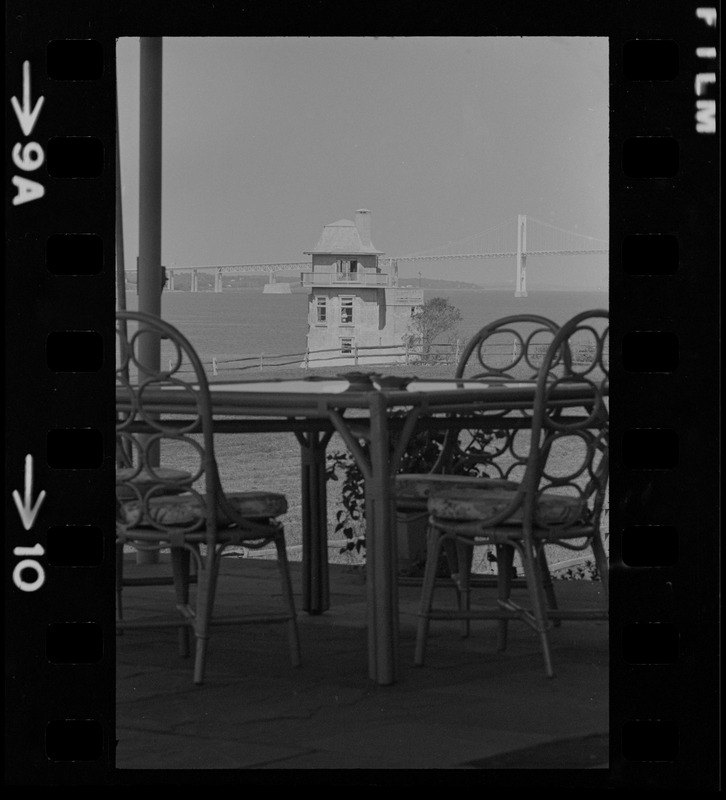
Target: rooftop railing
x: 345, y: 279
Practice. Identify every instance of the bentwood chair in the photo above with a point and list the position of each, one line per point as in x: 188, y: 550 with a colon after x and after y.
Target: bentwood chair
x: 189, y: 515
x: 172, y: 481
x: 558, y: 500
x: 510, y: 348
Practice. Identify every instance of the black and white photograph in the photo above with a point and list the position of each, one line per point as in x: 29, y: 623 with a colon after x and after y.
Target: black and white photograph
x: 348, y: 223
x: 331, y: 312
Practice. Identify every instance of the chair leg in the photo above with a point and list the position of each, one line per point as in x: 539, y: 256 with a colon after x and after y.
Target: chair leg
x: 535, y: 588
x: 206, y: 588
x: 119, y: 585
x: 601, y: 562
x: 465, y: 556
x: 549, y: 588
x: 451, y: 553
x: 180, y: 560
x: 505, y: 566
x: 433, y: 548
x: 292, y: 631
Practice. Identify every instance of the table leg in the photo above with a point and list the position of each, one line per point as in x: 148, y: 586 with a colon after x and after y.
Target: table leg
x: 315, y: 585
x: 381, y: 554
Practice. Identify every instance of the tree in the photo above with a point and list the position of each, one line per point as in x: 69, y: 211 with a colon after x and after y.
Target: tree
x: 436, y: 319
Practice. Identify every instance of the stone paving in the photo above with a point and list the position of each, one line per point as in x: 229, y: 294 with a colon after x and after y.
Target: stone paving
x: 470, y: 707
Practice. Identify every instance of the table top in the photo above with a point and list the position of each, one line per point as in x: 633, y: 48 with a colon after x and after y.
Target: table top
x: 314, y: 396
x: 387, y: 386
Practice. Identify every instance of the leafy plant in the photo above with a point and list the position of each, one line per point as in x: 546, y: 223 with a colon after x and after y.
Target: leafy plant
x: 348, y: 519
x: 422, y: 452
x: 436, y: 318
x: 585, y: 571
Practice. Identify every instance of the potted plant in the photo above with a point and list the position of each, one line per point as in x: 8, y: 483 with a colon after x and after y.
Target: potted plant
x: 420, y: 456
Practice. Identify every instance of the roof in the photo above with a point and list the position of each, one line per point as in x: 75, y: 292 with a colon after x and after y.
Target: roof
x: 342, y: 237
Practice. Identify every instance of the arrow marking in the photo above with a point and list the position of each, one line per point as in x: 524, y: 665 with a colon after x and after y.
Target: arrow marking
x: 27, y: 116
x: 27, y: 511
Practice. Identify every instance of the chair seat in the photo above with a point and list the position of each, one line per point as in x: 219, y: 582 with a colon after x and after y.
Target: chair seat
x: 143, y: 481
x: 185, y: 510
x: 481, y: 505
x: 413, y: 490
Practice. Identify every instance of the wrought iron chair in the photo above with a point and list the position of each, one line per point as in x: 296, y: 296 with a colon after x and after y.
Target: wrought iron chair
x: 510, y: 348
x: 191, y: 516
x: 558, y: 499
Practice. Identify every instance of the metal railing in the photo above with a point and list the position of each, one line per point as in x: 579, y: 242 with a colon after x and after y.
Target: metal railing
x: 437, y: 354
x: 344, y: 278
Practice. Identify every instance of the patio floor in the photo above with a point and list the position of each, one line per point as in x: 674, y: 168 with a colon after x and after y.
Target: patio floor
x: 470, y: 707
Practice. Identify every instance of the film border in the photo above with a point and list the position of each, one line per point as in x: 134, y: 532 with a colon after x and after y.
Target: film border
x: 683, y: 205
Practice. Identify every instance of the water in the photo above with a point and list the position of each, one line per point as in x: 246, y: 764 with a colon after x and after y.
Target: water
x: 237, y: 323
x: 233, y: 324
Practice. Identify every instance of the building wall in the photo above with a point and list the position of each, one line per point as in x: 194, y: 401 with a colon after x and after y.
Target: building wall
x: 400, y: 304
x: 381, y: 317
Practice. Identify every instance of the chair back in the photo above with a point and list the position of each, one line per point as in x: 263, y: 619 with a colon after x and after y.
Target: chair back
x: 510, y: 348
x: 569, y: 453
x: 148, y: 438
x: 555, y: 456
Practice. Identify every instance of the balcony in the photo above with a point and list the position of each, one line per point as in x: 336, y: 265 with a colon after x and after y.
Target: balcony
x: 374, y: 279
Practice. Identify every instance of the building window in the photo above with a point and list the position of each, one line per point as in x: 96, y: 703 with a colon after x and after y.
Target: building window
x: 346, y: 269
x: 346, y: 310
x: 346, y: 345
x: 321, y: 310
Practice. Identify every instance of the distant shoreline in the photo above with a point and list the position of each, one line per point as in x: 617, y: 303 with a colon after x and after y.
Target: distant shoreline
x: 130, y: 289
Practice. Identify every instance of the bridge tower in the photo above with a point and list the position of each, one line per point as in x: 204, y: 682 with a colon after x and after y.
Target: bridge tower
x: 520, y: 287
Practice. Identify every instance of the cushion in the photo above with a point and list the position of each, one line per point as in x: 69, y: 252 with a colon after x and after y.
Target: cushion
x: 185, y: 510
x: 145, y: 481
x: 414, y: 490
x: 481, y: 505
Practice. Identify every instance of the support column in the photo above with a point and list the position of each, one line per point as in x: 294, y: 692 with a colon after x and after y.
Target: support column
x: 149, y: 274
x: 195, y: 286
x: 170, y: 275
x: 120, y: 257
x: 315, y: 581
x: 520, y: 288
x: 218, y: 281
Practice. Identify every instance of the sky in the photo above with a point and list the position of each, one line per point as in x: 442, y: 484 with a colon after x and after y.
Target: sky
x: 266, y: 140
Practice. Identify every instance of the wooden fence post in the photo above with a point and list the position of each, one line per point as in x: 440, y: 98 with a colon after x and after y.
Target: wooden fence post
x: 355, y: 354
x: 214, y: 366
x: 262, y: 359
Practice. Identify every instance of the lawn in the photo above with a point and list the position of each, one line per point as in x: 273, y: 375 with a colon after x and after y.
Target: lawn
x: 271, y: 462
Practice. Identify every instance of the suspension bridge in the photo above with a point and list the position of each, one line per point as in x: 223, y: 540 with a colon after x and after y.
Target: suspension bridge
x: 528, y: 237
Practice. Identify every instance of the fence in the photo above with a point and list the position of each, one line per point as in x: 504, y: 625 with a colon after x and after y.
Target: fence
x: 441, y: 354
x: 356, y: 355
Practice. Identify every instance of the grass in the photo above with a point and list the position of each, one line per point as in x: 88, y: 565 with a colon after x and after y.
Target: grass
x: 271, y: 462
